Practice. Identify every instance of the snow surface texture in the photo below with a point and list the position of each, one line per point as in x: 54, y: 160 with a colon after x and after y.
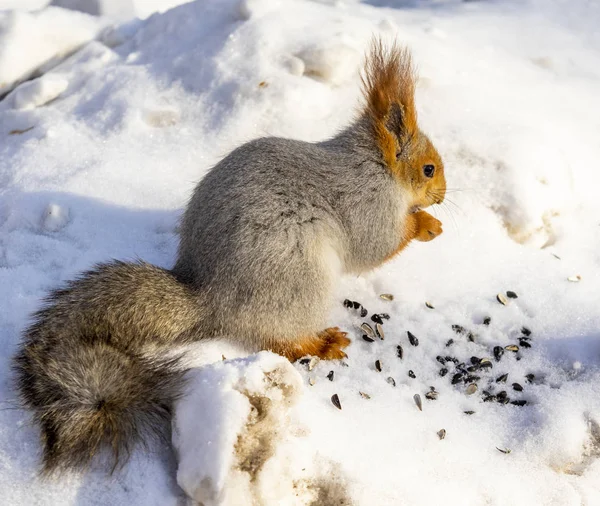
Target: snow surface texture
x: 508, y: 92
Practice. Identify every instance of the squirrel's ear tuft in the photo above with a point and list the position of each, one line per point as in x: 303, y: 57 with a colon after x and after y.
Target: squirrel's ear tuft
x: 389, y: 87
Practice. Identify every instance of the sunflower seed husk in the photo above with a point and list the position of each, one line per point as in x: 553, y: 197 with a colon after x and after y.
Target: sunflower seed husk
x: 502, y: 299
x: 440, y: 359
x: 312, y: 363
x: 525, y: 331
x: 498, y: 352
x: 348, y: 303
x: 502, y: 378
x: 469, y: 412
x: 330, y: 375
x: 376, y: 318
x: 511, y: 295
x: 312, y: 381
x: 443, y: 371
x: 400, y: 352
x: 459, y: 329
x: 524, y: 344
x: 432, y: 395
x: 441, y: 433
x: 487, y: 320
x: 363, y: 312
x: 471, y: 389
x: 574, y: 279
x: 355, y: 304
x: 519, y: 402
x: 505, y: 450
x: 378, y: 365
x: 336, y: 401
x: 457, y: 378
x: 391, y: 381
x: 429, y: 305
x: 512, y: 347
x: 367, y: 338
x: 387, y: 296
x: 473, y: 368
x: 385, y: 316
x: 530, y: 377
x: 411, y: 374
x: 517, y: 387
x: 418, y: 402
x: 367, y: 329
x: 379, y: 331
x: 449, y: 343
x: 364, y: 395
x: 412, y: 338
x: 489, y: 398
x: 475, y: 360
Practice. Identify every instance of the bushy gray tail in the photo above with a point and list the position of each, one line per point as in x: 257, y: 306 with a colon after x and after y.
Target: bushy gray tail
x: 92, y: 396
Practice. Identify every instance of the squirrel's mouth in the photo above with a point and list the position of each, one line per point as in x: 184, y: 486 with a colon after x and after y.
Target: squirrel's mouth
x: 414, y: 209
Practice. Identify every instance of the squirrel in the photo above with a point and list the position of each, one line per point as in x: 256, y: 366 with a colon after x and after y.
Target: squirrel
x: 265, y: 237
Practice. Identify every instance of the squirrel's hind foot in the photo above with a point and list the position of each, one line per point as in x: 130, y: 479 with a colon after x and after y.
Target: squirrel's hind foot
x: 327, y: 345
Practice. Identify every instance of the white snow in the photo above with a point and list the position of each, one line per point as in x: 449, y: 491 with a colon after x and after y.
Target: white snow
x: 508, y: 92
x: 39, y: 91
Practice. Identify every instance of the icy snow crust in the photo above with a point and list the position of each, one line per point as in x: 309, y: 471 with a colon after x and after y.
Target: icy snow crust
x: 102, y: 159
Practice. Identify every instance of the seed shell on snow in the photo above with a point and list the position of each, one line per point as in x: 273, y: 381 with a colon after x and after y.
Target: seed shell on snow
x: 502, y: 299
x: 376, y: 318
x: 574, y: 279
x: 525, y: 331
x: 367, y: 329
x: 387, y: 296
x: 418, y: 402
x: 519, y: 402
x: 503, y: 450
x: 312, y: 381
x: 487, y: 320
x: 378, y: 365
x: 412, y: 338
x: 364, y: 395
x: 517, y: 387
x: 511, y: 295
x: 512, y: 347
x: 336, y: 401
x: 530, y: 377
x: 469, y: 412
x: 443, y: 371
x: 411, y: 374
x: 441, y: 433
x: 524, y: 343
x: 502, y: 378
x: 400, y: 352
x: 363, y: 312
x: 348, y: 303
x: 471, y: 389
x: 330, y: 376
x: 391, y: 381
x: 432, y: 395
x: 498, y: 352
x: 312, y: 363
x: 367, y: 338
x: 429, y: 305
x: 379, y: 331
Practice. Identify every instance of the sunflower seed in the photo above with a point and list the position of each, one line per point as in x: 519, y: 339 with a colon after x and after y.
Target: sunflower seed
x: 519, y: 402
x: 511, y: 295
x: 355, y: 304
x: 505, y: 450
x: 304, y: 361
x: 385, y: 316
x: 429, y: 305
x: 471, y: 389
x: 311, y: 381
x: 449, y: 343
x: 502, y: 378
x: 487, y: 320
x: 441, y: 433
x: 524, y: 343
x: 489, y: 398
x: 443, y: 371
x: 364, y: 395
x: 367, y: 338
x: 336, y: 401
x: 432, y: 395
x: 411, y: 374
x: 363, y: 312
x: 379, y: 331
x: 330, y: 376
x: 348, y: 303
x: 517, y: 387
x: 376, y: 318
x: 400, y: 352
x: 387, y: 296
x: 512, y: 347
x: 574, y: 279
x: 473, y: 368
x: 475, y: 360
x: 440, y: 359
x: 367, y: 329
x: 498, y: 352
x: 471, y: 378
x: 391, y: 381
x: 530, y: 378
x: 378, y: 365
x: 412, y: 338
x: 418, y: 402
x: 502, y: 299
x: 526, y: 332
x: 457, y: 378
x: 469, y: 412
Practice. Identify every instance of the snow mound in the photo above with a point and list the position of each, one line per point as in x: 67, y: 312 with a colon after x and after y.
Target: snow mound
x: 228, y: 427
x: 32, y: 42
x: 39, y: 92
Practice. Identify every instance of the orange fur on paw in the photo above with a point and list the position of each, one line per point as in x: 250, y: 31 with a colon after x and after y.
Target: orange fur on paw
x: 427, y: 227
x: 326, y: 345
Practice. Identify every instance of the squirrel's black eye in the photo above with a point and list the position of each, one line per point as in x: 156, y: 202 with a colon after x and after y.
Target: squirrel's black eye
x: 428, y: 170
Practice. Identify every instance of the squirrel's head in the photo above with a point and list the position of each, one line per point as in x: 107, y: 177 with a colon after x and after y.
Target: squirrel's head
x: 389, y: 89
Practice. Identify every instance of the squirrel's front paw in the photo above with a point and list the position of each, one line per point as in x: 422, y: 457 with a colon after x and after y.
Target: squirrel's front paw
x: 427, y: 227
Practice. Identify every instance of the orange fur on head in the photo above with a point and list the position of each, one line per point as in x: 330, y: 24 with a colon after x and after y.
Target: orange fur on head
x: 389, y: 89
